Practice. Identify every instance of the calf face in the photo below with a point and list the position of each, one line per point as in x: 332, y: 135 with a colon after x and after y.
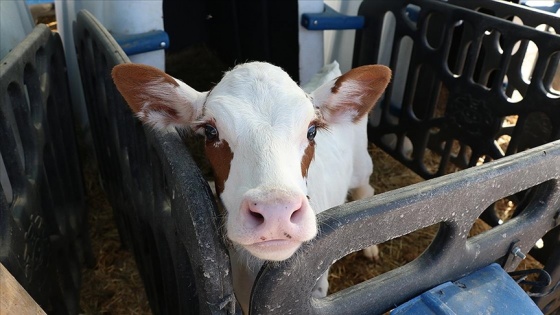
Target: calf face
x: 260, y: 130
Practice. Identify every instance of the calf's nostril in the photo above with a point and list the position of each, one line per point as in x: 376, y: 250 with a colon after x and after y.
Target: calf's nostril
x: 259, y: 217
x: 295, y: 215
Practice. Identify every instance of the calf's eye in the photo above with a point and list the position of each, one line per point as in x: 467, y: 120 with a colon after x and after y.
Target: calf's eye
x: 211, y: 133
x: 311, y: 132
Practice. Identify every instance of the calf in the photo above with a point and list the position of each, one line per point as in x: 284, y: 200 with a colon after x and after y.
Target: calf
x: 279, y: 155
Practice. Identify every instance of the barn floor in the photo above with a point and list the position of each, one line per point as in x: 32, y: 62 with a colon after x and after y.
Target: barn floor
x: 113, y: 285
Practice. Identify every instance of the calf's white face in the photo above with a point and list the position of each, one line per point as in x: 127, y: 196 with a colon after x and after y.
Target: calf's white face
x: 260, y: 132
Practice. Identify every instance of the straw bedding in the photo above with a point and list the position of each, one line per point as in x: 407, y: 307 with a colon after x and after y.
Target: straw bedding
x: 113, y: 285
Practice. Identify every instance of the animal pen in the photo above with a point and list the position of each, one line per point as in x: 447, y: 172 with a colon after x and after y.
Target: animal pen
x: 458, y: 100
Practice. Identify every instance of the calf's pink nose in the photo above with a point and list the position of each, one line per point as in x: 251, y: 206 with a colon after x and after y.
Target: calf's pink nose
x: 277, y: 217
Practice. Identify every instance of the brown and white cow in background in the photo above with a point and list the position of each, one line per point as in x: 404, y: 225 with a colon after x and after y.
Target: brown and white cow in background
x: 280, y: 155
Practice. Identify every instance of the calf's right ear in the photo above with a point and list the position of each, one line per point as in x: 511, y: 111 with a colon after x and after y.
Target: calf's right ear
x: 350, y: 97
x: 157, y: 98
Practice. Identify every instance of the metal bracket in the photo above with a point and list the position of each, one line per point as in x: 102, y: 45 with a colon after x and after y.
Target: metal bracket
x: 514, y: 252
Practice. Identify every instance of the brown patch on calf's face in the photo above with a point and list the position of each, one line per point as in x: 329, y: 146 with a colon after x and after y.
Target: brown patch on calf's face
x: 308, y: 156
x: 219, y: 154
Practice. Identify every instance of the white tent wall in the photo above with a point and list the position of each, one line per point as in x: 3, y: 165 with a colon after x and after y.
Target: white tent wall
x: 15, y: 24
x: 119, y: 17
x: 323, y: 47
x: 339, y: 45
x: 310, y: 42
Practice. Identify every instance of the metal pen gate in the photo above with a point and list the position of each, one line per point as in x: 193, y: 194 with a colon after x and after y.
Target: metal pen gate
x: 44, y: 238
x: 163, y: 206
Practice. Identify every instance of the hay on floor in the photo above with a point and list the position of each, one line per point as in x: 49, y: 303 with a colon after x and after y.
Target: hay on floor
x: 113, y: 285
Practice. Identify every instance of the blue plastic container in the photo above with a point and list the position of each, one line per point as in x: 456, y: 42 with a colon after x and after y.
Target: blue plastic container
x: 487, y: 291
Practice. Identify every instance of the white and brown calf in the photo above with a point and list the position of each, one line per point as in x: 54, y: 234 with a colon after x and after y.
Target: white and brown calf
x: 280, y: 155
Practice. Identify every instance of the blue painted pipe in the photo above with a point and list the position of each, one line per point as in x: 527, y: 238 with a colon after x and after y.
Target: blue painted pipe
x: 144, y: 42
x: 331, y: 20
x: 32, y: 2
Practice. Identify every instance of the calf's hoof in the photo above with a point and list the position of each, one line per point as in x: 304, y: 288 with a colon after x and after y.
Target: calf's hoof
x: 371, y: 253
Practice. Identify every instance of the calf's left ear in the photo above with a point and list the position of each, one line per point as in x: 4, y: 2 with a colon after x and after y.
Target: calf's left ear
x: 351, y: 96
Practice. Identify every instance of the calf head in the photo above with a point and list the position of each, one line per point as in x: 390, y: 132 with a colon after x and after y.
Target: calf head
x: 260, y: 130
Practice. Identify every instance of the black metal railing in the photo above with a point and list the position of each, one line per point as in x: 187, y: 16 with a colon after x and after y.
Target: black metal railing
x: 474, y: 81
x: 164, y: 208
x: 457, y: 77
x: 44, y: 238
x: 454, y: 201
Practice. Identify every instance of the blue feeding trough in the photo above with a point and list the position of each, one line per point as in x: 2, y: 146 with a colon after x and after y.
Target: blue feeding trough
x: 487, y: 291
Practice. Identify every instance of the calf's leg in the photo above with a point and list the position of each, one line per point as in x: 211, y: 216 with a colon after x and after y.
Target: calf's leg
x: 322, y: 286
x: 366, y: 191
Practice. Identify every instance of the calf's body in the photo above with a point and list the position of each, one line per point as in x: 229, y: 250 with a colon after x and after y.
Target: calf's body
x: 279, y: 155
